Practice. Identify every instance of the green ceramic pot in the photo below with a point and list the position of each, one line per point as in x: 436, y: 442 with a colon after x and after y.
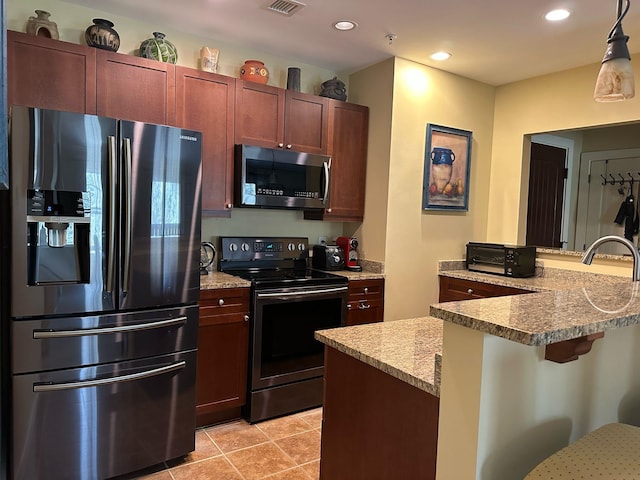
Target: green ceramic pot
x: 158, y: 48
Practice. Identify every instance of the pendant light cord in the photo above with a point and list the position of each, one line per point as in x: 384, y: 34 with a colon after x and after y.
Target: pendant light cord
x: 620, y: 15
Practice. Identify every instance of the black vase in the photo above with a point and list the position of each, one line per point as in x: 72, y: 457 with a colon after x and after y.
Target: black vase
x: 293, y: 79
x: 102, y: 35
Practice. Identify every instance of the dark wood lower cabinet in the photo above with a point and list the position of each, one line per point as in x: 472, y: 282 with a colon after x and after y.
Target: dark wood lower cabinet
x: 366, y: 301
x: 375, y: 426
x: 223, y: 342
x: 456, y: 289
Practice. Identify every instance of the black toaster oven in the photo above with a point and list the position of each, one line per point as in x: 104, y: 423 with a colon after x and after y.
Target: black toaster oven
x: 508, y: 260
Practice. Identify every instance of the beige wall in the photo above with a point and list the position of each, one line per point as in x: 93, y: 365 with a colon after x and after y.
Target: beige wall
x: 415, y: 240
x: 553, y: 102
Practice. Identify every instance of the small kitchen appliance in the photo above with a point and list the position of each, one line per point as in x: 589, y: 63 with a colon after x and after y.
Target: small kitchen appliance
x: 507, y: 260
x: 327, y: 257
x: 207, y: 256
x: 350, y: 247
x: 289, y: 302
x: 277, y: 178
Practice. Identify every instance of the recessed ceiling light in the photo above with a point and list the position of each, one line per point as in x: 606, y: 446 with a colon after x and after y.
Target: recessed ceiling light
x: 345, y: 25
x: 557, y: 15
x: 439, y: 56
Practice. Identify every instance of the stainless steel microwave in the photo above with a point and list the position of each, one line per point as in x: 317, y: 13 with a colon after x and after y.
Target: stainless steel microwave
x: 274, y: 178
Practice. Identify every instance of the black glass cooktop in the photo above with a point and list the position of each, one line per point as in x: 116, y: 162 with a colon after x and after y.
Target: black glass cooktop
x: 289, y: 277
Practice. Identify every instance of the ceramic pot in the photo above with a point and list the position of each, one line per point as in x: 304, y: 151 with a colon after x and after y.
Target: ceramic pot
x: 102, y: 35
x: 254, y: 71
x: 334, y: 88
x: 41, y: 26
x: 158, y: 48
x: 441, y: 166
x: 293, y: 79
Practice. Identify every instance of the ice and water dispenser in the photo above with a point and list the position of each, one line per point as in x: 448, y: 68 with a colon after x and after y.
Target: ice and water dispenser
x: 58, y: 237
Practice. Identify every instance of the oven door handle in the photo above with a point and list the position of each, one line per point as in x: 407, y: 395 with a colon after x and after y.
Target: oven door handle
x: 302, y: 292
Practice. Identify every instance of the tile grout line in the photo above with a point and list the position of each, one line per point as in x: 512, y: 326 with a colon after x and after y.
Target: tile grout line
x: 224, y: 455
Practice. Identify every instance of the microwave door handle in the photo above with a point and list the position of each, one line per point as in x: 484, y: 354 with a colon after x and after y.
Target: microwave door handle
x: 327, y: 173
x: 111, y: 255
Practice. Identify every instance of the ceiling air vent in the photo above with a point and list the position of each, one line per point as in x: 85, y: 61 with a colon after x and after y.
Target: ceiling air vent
x: 285, y: 7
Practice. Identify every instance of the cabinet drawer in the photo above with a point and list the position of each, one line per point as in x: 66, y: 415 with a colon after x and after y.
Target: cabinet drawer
x: 454, y: 289
x: 366, y: 289
x: 223, y: 301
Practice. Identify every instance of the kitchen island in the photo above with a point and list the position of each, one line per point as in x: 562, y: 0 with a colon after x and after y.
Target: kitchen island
x: 503, y: 407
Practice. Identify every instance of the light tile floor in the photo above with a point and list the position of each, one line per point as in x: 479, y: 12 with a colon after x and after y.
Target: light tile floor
x: 286, y: 448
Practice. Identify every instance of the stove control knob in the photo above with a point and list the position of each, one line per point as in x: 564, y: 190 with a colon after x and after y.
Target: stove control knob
x: 244, y: 247
x: 291, y: 247
x: 233, y: 247
x: 301, y: 247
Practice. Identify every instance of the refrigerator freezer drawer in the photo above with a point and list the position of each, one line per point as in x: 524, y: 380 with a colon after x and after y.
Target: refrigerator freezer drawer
x: 103, y: 421
x: 57, y: 343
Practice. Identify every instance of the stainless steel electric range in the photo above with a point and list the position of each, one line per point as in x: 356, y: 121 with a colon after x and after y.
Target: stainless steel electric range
x: 289, y: 302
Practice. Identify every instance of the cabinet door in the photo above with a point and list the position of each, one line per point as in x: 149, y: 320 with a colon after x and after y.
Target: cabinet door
x: 456, y: 289
x: 134, y: 88
x: 50, y: 74
x: 366, y: 301
x: 205, y: 102
x: 348, y: 137
x: 306, y: 126
x: 259, y: 114
x: 223, y: 342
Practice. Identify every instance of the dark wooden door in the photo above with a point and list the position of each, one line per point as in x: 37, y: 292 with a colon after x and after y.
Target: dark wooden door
x: 348, y: 129
x: 306, y: 122
x: 134, y: 88
x: 205, y: 102
x: 259, y: 114
x: 51, y: 74
x: 547, y: 176
x: 223, y: 352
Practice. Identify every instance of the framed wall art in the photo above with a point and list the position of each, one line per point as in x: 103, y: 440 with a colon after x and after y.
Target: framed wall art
x: 447, y: 162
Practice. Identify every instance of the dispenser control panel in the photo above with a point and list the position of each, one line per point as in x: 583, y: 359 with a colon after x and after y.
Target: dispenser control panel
x: 57, y: 205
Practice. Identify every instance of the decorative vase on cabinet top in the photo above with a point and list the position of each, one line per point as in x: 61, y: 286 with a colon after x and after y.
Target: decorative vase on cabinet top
x: 254, y: 71
x: 41, y: 26
x: 102, y: 35
x: 158, y: 48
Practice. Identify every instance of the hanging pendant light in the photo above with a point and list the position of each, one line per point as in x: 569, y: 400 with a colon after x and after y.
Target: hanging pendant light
x: 615, y: 80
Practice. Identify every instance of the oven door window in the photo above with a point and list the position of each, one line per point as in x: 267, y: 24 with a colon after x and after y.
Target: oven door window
x: 285, y: 347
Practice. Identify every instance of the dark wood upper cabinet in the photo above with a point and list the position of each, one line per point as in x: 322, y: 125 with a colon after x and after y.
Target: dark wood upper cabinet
x: 205, y: 102
x: 134, y: 88
x: 349, y: 134
x: 50, y: 74
x: 272, y: 117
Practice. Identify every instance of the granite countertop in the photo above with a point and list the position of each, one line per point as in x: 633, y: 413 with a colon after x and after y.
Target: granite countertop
x: 213, y: 280
x: 568, y: 305
x: 410, y: 350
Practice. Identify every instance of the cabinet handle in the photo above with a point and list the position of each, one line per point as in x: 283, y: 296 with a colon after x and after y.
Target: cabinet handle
x: 366, y: 290
x: 470, y: 291
x: 246, y: 318
x: 364, y: 306
x: 348, y: 306
x: 281, y: 145
x: 328, y: 210
x: 229, y: 205
x: 221, y: 302
x: 288, y: 147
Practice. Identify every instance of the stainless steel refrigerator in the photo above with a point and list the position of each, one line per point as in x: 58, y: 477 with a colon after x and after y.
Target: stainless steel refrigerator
x: 104, y: 256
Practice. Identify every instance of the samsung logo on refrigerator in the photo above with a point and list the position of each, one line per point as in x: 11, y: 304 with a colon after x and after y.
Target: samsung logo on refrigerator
x: 188, y: 137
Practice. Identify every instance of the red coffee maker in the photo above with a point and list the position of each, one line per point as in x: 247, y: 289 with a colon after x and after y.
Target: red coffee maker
x: 349, y: 246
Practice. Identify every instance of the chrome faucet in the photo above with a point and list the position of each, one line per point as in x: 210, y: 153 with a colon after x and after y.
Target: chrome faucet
x: 591, y: 251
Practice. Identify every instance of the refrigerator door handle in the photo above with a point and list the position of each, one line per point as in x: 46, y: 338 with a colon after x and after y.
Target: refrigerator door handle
x: 113, y: 173
x: 128, y: 213
x: 44, y: 334
x: 52, y: 387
